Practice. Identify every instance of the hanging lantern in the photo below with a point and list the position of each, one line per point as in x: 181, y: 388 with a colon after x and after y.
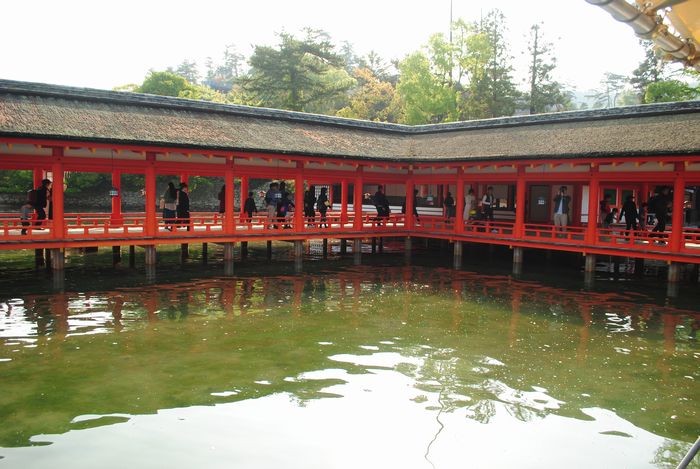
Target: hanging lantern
x: 114, y: 192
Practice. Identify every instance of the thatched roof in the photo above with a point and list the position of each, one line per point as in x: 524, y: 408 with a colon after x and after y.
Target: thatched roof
x: 57, y: 112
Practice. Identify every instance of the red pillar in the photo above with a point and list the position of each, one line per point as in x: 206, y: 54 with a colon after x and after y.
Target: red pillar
x: 593, y: 194
x: 184, y: 177
x: 677, y: 214
x: 244, y: 194
x: 57, y: 194
x: 299, y: 197
x: 229, y: 213
x: 151, y: 227
x: 343, y: 202
x: 459, y: 202
x: 38, y: 177
x: 116, y: 217
x: 358, y: 199
x: 410, y: 201
x: 520, y: 188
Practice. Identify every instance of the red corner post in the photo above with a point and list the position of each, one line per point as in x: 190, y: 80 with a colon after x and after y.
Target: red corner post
x: 520, y: 188
x: 358, y: 198
x: 459, y: 203
x: 229, y: 213
x: 57, y: 194
x: 677, y: 214
x: 116, y: 216
x: 244, y: 195
x: 299, y: 197
x: 593, y: 194
x: 410, y: 201
x: 151, y: 227
x: 343, y: 202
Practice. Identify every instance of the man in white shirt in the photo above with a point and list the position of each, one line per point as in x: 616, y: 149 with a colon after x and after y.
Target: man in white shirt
x: 561, y: 208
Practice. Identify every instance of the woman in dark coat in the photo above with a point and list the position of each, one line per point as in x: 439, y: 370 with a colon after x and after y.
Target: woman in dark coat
x: 183, y: 206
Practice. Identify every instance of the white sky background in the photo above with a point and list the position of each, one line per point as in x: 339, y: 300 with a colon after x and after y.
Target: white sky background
x: 103, y: 44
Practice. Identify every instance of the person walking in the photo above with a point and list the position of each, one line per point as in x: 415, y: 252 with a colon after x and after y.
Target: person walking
x: 42, y: 199
x: 561, y: 209
x: 661, y: 204
x: 381, y: 203
x: 322, y: 205
x: 183, y: 206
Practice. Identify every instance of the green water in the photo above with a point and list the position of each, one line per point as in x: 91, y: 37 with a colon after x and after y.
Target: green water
x: 341, y: 367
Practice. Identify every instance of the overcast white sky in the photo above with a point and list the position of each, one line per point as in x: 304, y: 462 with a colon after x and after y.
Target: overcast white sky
x: 103, y: 43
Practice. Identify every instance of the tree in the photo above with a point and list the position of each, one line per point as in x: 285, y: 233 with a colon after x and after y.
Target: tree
x: 222, y: 77
x: 544, y: 93
x: 497, y: 84
x: 187, y: 70
x: 650, y: 70
x: 373, y: 99
x: 425, y: 99
x: 298, y: 75
x: 669, y: 91
x: 611, y: 86
x: 163, y: 84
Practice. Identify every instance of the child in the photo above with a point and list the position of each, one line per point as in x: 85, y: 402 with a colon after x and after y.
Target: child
x: 249, y: 206
x: 609, y: 218
x: 25, y: 214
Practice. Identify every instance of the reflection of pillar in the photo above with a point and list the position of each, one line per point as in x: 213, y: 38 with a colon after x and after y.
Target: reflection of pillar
x: 515, y: 305
x: 228, y: 258
x: 357, y: 251
x: 151, y: 304
x: 298, y: 254
x: 584, y: 333
x: 457, y: 261
x: 518, y: 260
x: 408, y: 248
x: 298, y: 291
x: 228, y: 295
x: 150, y: 255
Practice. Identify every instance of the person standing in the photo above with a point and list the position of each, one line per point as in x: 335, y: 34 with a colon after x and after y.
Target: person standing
x: 561, y: 208
x: 183, y: 206
x: 43, y: 196
x: 470, y: 205
x: 449, y: 204
x: 322, y: 204
x: 309, y: 203
x: 169, y: 206
x: 272, y: 197
x: 249, y: 206
x: 381, y: 203
x: 488, y: 202
x: 629, y: 211
x: 604, y: 209
x: 661, y: 205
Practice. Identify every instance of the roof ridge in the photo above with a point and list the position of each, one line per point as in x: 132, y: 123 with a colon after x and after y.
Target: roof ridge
x: 129, y: 98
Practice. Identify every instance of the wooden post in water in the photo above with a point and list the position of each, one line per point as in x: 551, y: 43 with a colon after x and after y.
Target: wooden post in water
x: 374, y: 245
x: 357, y: 251
x: 244, y: 249
x: 39, y: 258
x: 343, y: 247
x: 132, y: 256
x: 457, y: 255
x: 518, y: 255
x: 325, y: 248
x: 184, y: 251
x: 150, y: 255
x: 58, y: 260
x: 269, y: 250
x: 381, y: 245
x: 298, y: 255
x: 228, y: 259
x: 116, y: 254
x: 205, y: 253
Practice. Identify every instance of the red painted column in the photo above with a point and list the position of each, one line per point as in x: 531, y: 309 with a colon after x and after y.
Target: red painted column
x: 244, y: 194
x: 358, y: 199
x: 57, y: 194
x: 151, y: 227
x: 459, y: 203
x: 229, y: 213
x: 677, y: 214
x: 410, y: 201
x: 116, y: 217
x: 520, y: 188
x: 184, y: 177
x: 38, y: 177
x: 299, y: 197
x: 593, y: 194
x: 343, y: 202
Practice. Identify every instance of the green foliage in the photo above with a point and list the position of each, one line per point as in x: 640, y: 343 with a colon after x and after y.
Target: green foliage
x: 163, y: 84
x: 87, y: 183
x: 669, y: 91
x: 16, y: 181
x: 187, y: 70
x: 611, y: 86
x: 373, y: 100
x: 650, y: 70
x: 425, y: 99
x: 299, y: 75
x: 222, y: 77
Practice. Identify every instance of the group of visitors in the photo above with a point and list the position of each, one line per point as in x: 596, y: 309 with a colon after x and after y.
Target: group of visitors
x: 313, y: 203
x: 473, y: 209
x: 175, y: 203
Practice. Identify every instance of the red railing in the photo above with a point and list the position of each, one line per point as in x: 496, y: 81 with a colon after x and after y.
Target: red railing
x: 557, y: 234
x: 489, y: 228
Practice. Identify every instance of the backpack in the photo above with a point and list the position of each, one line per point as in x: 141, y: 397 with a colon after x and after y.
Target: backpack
x: 31, y: 197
